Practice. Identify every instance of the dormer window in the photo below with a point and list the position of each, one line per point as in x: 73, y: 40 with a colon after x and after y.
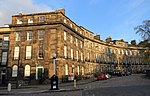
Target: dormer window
x: 76, y: 29
x: 30, y: 20
x: 71, y: 25
x: 80, y: 32
x: 42, y: 19
x: 65, y: 21
x: 19, y: 20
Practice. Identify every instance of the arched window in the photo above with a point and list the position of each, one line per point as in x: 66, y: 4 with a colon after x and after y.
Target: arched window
x: 27, y: 70
x: 14, y: 71
x: 66, y: 69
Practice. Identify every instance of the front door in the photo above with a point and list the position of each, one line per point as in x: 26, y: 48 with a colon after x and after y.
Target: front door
x: 39, y: 73
x: 3, y: 78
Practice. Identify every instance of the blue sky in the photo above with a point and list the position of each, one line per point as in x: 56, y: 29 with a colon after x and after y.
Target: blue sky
x: 115, y: 18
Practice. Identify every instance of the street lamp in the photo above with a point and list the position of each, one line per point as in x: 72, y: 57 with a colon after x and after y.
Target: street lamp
x: 54, y: 63
x: 17, y: 81
x: 54, y: 78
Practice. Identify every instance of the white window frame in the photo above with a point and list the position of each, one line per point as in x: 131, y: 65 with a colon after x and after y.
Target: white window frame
x: 19, y: 20
x: 65, y: 21
x: 77, y: 55
x: 71, y: 53
x: 81, y: 56
x: 14, y: 71
x: 135, y: 53
x: 6, y: 38
x: 118, y: 51
x: 4, y: 58
x: 122, y: 51
x: 41, y: 50
x: 80, y: 32
x: 30, y: 20
x: 18, y: 38
x: 82, y: 70
x: 28, y: 52
x: 126, y: 52
x: 16, y: 52
x: 96, y: 56
x: 66, y: 69
x: 65, y: 51
x: 71, y: 39
x: 27, y: 70
x: 41, y: 34
x: 130, y: 52
x: 76, y: 42
x: 78, y: 70
x: 88, y: 56
x: 42, y: 19
x: 81, y: 44
x: 76, y: 29
x: 71, y: 25
x: 114, y: 51
x: 65, y: 35
x: 29, y: 35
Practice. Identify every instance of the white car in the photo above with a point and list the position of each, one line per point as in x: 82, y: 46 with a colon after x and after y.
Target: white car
x: 108, y: 76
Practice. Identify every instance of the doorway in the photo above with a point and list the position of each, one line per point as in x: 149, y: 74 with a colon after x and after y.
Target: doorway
x: 3, y: 79
x: 40, y: 72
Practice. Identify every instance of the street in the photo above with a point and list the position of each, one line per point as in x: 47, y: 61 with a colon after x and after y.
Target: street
x: 134, y: 85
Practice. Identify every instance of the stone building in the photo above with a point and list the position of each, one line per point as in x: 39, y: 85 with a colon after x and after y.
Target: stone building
x: 34, y: 38
x: 4, y: 53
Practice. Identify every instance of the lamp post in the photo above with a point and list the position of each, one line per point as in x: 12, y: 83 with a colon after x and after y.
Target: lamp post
x: 54, y: 78
x: 17, y: 81
x: 54, y: 63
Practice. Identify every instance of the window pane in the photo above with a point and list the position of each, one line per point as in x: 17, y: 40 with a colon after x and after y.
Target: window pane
x: 65, y: 35
x: 4, y: 58
x: 77, y: 55
x: 71, y: 53
x: 30, y: 20
x: 27, y: 70
x: 71, y: 39
x: 66, y: 69
x: 16, y: 53
x: 41, y: 19
x: 14, y: 71
x: 65, y: 51
x: 19, y: 20
x: 29, y: 35
x: 18, y: 35
x: 41, y: 51
x: 28, y: 52
x: 41, y: 34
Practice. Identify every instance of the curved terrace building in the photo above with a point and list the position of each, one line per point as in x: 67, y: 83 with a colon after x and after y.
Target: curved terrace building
x: 27, y: 46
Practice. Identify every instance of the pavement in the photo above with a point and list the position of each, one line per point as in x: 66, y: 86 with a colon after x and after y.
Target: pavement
x: 34, y: 89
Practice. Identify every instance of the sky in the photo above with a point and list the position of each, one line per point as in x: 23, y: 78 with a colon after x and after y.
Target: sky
x: 114, y: 18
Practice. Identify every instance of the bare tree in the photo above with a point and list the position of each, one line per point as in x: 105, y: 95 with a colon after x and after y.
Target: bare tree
x: 144, y: 30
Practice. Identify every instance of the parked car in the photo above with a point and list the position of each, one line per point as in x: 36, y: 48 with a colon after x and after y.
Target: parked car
x: 108, y: 76
x: 101, y: 77
x: 128, y: 73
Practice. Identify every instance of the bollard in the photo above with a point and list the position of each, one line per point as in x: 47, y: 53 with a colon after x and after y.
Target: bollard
x: 9, y: 87
x: 75, y: 85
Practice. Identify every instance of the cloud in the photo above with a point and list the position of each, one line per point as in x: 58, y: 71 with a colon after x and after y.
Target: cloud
x: 12, y: 7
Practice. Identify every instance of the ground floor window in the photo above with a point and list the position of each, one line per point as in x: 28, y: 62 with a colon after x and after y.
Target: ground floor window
x: 14, y: 71
x: 27, y: 71
x: 66, y: 69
